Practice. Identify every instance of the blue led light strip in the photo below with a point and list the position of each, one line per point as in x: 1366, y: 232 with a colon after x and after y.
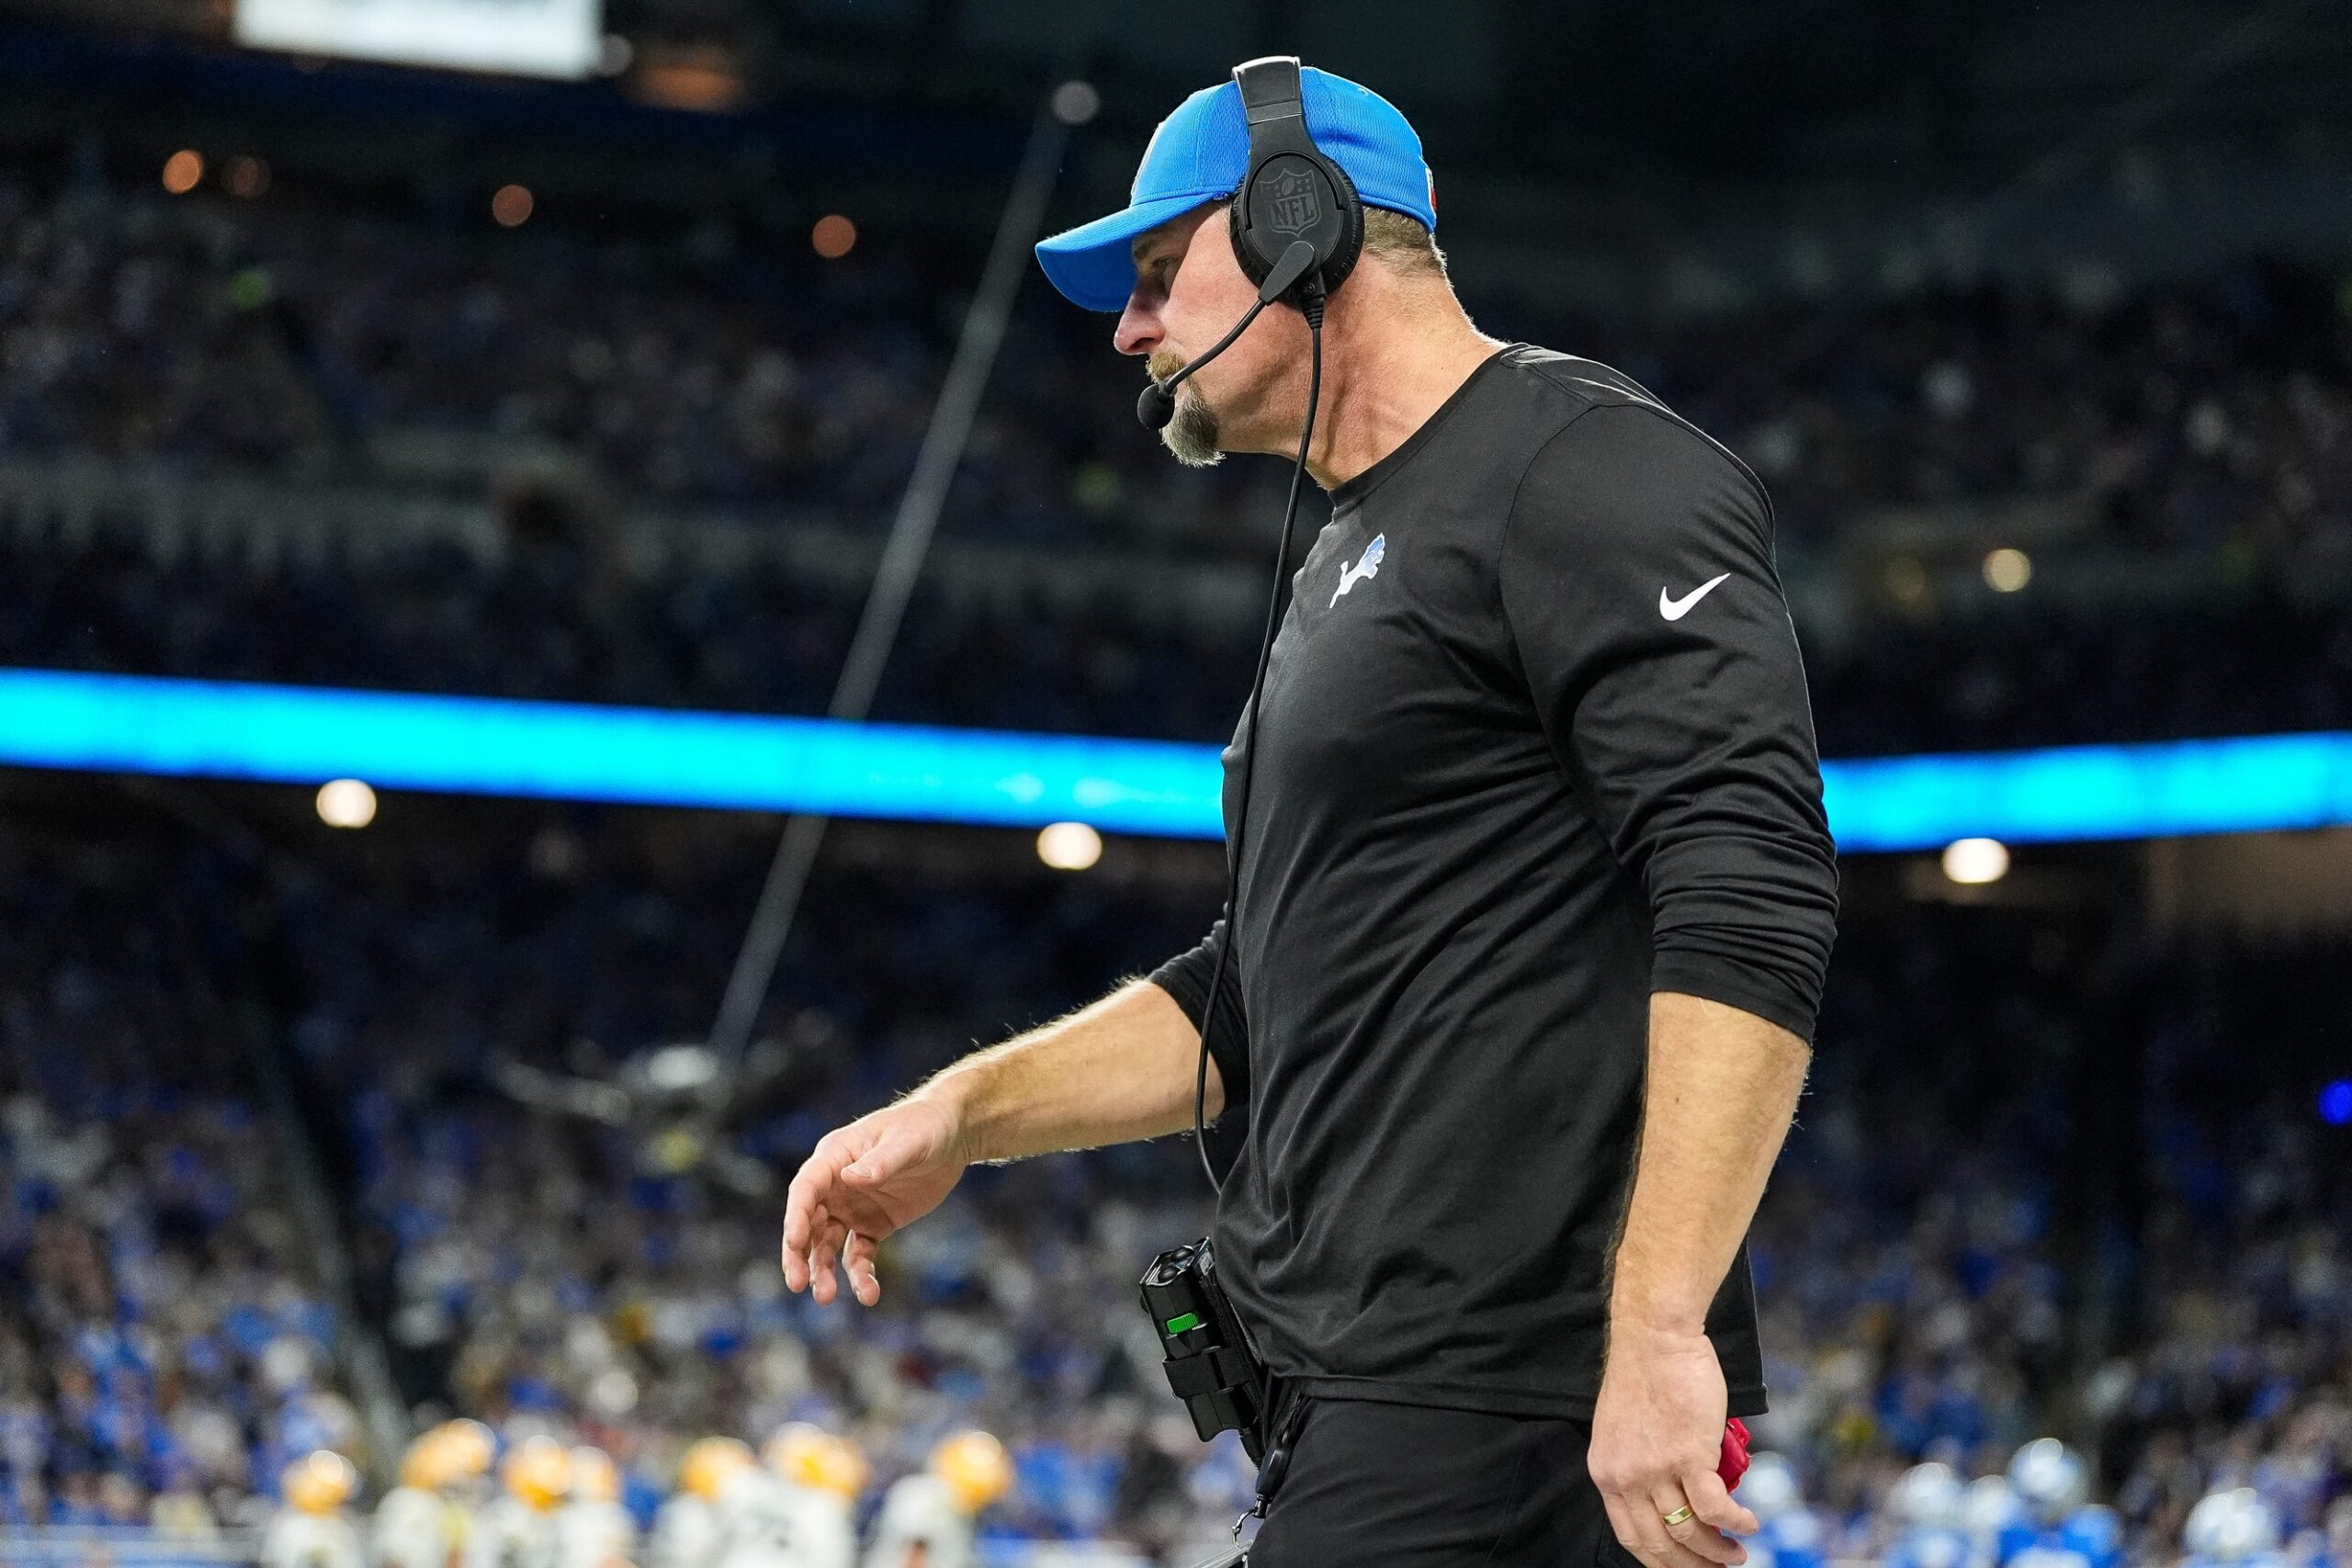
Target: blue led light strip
x: 648, y: 756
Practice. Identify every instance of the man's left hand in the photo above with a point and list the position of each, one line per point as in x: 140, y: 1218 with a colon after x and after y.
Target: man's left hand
x: 1658, y: 1435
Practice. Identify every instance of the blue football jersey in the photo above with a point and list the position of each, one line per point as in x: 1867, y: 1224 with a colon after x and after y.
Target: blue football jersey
x: 1930, y: 1548
x: 2091, y: 1537
x: 1796, y: 1538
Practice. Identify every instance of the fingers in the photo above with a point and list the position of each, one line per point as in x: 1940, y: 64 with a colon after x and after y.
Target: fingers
x: 1716, y: 1505
x: 807, y: 1194
x: 1641, y: 1533
x: 859, y: 1269
x: 829, y: 1236
x: 797, y: 1221
x: 798, y: 1257
x: 1700, y: 1543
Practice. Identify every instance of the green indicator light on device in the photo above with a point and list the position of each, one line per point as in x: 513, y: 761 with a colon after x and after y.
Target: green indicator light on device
x: 1180, y: 1324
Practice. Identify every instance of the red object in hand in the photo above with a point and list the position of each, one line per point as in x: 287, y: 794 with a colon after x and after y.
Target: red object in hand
x: 1734, y: 1460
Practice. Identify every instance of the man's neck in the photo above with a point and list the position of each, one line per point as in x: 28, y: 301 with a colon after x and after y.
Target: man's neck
x: 1386, y: 382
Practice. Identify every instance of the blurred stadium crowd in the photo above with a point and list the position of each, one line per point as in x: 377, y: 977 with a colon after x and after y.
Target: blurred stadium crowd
x: 2211, y: 413
x: 1928, y: 1256
x: 557, y: 1276
x: 2198, y: 431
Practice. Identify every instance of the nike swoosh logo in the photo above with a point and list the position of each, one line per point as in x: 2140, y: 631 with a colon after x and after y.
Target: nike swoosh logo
x: 1675, y: 609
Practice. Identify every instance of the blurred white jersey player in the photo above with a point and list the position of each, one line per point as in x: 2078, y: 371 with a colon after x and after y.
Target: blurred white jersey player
x: 2055, y: 1527
x: 927, y: 1519
x: 467, y: 1450
x: 518, y: 1530
x: 1989, y: 1511
x: 1789, y: 1534
x: 1929, y: 1501
x: 311, y: 1531
x: 412, y: 1528
x: 2232, y: 1529
x: 592, y: 1530
x: 795, y: 1510
x: 687, y: 1533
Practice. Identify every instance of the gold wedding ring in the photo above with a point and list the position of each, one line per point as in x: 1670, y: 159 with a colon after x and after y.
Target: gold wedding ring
x: 1677, y: 1517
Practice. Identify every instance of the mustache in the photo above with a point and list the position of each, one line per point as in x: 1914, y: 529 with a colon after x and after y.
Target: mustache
x: 1164, y: 363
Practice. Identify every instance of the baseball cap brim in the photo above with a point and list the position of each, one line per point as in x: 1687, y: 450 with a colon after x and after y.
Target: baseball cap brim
x: 1094, y: 264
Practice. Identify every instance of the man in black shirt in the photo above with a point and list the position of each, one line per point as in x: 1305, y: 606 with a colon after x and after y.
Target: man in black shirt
x: 1536, y: 897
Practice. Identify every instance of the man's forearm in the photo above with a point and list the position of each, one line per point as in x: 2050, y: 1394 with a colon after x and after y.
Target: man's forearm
x: 1111, y: 1073
x: 1722, y: 1089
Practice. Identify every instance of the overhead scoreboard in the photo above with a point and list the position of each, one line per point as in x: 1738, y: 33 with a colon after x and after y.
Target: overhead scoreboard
x: 526, y: 38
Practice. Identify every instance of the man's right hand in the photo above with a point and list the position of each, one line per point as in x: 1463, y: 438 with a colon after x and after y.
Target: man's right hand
x: 862, y: 1182
x: 1118, y: 1070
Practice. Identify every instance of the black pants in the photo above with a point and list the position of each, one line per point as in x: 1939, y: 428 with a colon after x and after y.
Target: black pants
x: 1375, y: 1485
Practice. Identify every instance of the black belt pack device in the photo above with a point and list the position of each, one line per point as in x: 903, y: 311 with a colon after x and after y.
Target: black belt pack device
x: 1209, y: 1362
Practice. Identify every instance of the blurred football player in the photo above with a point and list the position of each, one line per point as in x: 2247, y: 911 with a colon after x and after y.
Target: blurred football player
x: 520, y: 1530
x: 2055, y: 1527
x: 794, y: 1512
x: 412, y: 1529
x: 1928, y: 1501
x: 1789, y: 1534
x: 2233, y: 1527
x: 1989, y: 1513
x: 687, y: 1532
x: 593, y: 1529
x: 472, y: 1451
x: 469, y: 1453
x: 311, y: 1531
x: 927, y: 1519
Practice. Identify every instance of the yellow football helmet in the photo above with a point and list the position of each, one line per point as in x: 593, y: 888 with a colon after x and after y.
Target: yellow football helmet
x: 976, y: 1468
x: 594, y: 1478
x: 711, y: 1463
x: 538, y: 1471
x: 809, y: 1456
x: 468, y: 1449
x: 320, y: 1481
x: 426, y: 1464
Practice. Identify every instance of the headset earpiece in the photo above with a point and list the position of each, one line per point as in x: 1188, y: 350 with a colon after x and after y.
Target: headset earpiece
x: 1292, y: 191
x: 1333, y: 192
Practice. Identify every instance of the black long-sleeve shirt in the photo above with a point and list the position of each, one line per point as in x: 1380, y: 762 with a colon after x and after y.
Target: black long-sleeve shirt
x: 1534, y: 744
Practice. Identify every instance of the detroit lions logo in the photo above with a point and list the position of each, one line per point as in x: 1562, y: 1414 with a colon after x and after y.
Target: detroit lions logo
x: 1368, y: 566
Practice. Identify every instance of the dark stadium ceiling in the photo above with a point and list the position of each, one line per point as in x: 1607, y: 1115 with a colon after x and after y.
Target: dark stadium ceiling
x: 1702, y: 91
x: 1573, y: 125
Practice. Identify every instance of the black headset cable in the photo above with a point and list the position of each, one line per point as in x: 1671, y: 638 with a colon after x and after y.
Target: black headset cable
x: 1311, y: 305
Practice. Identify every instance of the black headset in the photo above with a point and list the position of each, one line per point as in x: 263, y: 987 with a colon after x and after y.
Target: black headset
x: 1296, y: 220
x: 1291, y: 192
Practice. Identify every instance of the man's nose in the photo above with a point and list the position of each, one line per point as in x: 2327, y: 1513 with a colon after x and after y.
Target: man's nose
x: 1139, y: 331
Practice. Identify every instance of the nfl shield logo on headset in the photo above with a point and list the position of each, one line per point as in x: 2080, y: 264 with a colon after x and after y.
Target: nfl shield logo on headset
x: 1294, y: 209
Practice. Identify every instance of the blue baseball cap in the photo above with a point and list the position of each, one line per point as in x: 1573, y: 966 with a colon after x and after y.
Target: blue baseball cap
x: 1200, y: 153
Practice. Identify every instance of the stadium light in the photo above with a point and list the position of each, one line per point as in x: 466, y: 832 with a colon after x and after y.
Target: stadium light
x: 542, y: 38
x: 1075, y: 103
x: 1971, y: 863
x: 512, y: 206
x: 182, y: 170
x: 1068, y: 846
x: 833, y: 236
x: 347, y: 803
x: 138, y: 724
x: 2007, y: 571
